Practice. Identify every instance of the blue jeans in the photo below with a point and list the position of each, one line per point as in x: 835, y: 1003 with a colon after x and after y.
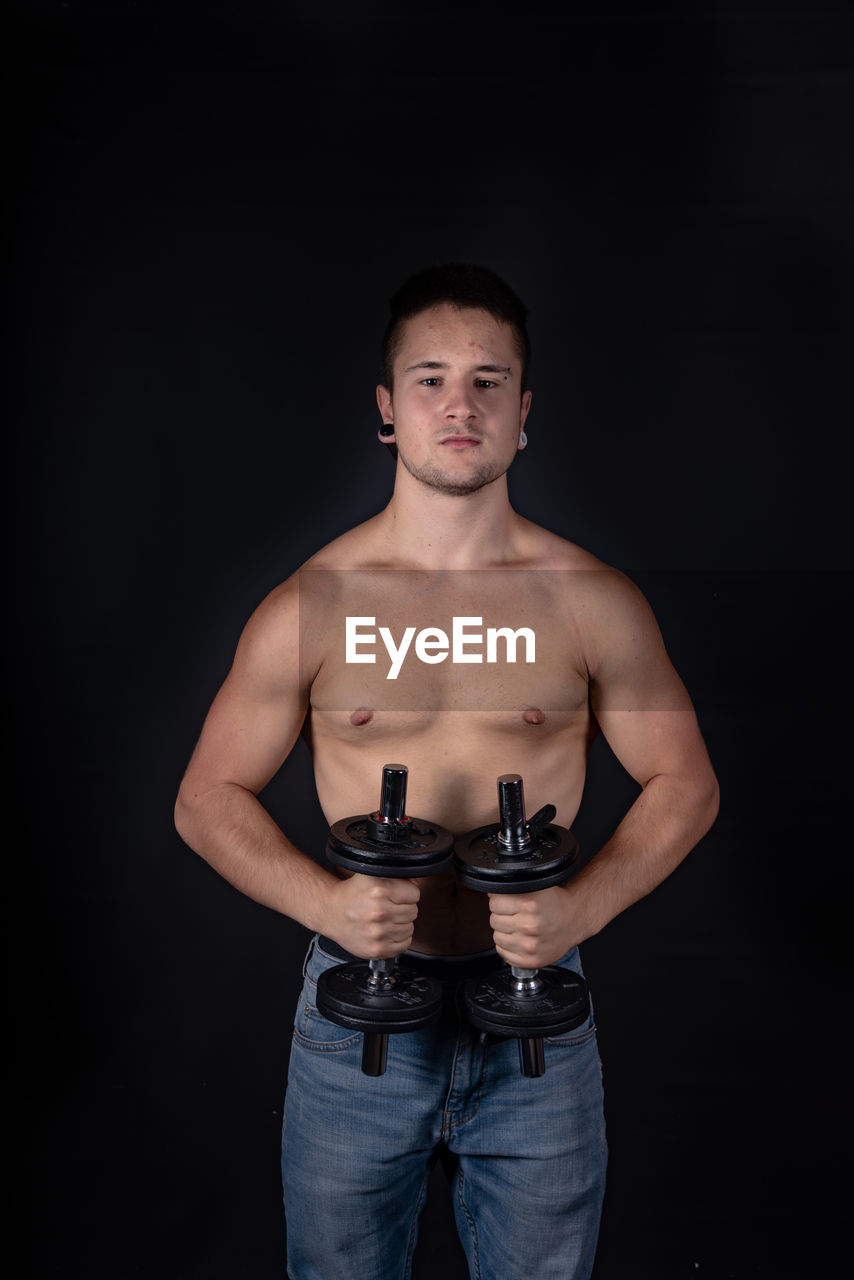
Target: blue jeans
x: 357, y: 1150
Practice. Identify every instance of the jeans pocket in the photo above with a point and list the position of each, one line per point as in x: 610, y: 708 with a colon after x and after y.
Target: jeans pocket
x: 311, y: 1029
x: 571, y: 1039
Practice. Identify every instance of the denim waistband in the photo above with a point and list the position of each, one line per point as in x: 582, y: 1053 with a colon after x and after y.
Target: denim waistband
x: 442, y: 968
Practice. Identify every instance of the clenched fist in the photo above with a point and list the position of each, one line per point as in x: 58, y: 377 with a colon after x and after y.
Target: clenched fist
x: 531, y: 930
x: 371, y: 917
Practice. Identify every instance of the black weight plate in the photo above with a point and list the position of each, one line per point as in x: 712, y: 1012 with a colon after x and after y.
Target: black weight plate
x: 427, y: 849
x: 561, y: 1005
x: 344, y: 997
x: 481, y: 864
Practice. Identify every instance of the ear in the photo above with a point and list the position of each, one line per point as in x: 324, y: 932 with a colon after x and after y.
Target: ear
x: 526, y: 406
x: 385, y: 407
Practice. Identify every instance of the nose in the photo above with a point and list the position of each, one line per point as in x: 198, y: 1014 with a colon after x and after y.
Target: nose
x: 460, y: 405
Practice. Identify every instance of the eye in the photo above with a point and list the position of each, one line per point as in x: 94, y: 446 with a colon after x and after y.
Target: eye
x: 429, y: 382
x: 486, y: 383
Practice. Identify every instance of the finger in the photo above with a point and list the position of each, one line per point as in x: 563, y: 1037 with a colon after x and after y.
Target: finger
x: 406, y: 914
x: 509, y: 954
x: 504, y: 904
x: 387, y: 929
x: 390, y: 937
x: 385, y: 948
x: 518, y: 953
x: 398, y: 890
x: 382, y: 912
x: 519, y: 925
x: 504, y: 938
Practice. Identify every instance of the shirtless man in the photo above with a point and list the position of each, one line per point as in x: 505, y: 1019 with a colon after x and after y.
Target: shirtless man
x: 313, y: 660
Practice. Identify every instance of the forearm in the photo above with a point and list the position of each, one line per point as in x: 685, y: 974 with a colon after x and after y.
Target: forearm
x: 664, y: 824
x: 230, y: 829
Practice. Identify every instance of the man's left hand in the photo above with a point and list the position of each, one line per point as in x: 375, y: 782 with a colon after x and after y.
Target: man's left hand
x: 531, y: 929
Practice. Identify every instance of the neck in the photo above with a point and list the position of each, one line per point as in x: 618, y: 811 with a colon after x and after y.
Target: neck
x: 438, y: 530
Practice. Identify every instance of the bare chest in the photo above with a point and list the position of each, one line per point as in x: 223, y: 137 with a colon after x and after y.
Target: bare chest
x: 426, y: 643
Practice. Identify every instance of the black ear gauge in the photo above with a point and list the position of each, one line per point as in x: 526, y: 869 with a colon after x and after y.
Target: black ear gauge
x: 387, y: 429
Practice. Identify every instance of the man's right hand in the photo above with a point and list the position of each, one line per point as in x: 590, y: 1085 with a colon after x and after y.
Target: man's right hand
x: 371, y: 917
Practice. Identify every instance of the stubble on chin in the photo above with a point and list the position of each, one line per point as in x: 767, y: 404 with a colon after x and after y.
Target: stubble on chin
x: 434, y: 478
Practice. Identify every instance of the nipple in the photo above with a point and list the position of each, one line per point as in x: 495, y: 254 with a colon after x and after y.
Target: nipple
x: 362, y: 715
x: 533, y: 715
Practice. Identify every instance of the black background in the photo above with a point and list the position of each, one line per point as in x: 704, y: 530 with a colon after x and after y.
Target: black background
x: 209, y: 210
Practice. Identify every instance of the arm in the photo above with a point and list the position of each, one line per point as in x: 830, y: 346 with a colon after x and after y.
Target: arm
x: 249, y: 731
x: 647, y: 718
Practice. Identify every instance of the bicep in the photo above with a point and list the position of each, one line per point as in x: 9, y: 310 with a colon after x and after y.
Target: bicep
x: 256, y: 717
x: 638, y: 698
x: 244, y: 740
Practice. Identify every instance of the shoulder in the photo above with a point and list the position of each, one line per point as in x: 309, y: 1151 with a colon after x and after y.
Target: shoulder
x: 622, y: 645
x: 541, y: 549
x: 355, y: 549
x: 591, y: 580
x: 269, y: 644
x: 608, y: 612
x: 290, y: 615
x: 280, y: 608
x: 606, y: 598
x: 588, y: 587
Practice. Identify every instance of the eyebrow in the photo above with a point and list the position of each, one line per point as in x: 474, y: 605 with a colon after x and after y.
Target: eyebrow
x: 481, y: 368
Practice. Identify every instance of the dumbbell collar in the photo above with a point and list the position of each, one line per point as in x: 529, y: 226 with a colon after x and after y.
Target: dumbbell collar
x: 388, y: 842
x: 526, y: 982
x: 513, y: 855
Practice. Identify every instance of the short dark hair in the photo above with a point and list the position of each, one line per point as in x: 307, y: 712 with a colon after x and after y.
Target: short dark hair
x: 463, y: 285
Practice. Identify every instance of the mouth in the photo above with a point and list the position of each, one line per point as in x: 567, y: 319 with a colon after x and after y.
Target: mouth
x: 459, y: 442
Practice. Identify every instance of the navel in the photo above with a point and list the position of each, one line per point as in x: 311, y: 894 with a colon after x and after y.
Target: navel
x: 362, y: 715
x: 533, y: 715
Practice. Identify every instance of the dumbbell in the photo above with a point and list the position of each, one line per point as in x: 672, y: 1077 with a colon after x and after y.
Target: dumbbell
x: 519, y: 856
x: 381, y: 997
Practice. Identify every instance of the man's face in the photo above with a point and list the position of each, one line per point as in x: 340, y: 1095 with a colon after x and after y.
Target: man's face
x: 457, y: 405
